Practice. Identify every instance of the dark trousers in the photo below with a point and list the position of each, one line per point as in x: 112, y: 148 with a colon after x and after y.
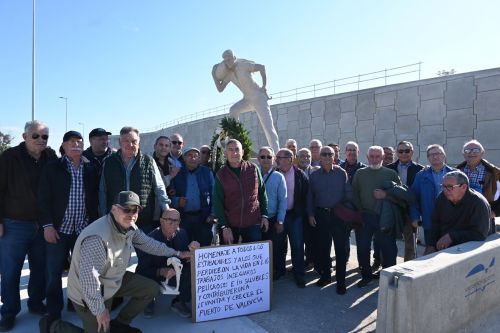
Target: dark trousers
x: 56, y: 257
x: 249, y: 234
x: 386, y: 243
x: 308, y: 242
x: 329, y: 226
x: 279, y: 241
x: 21, y: 238
x: 295, y: 231
x: 196, y: 228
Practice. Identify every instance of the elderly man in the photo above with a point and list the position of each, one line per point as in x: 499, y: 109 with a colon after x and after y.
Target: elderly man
x: 483, y: 176
x: 20, y: 234
x: 461, y: 214
x: 239, y: 71
x: 205, y: 153
x: 276, y: 208
x: 297, y: 186
x: 407, y: 170
x: 321, y: 201
x: 175, y: 154
x: 368, y: 189
x: 193, y: 187
x: 68, y: 201
x: 304, y: 162
x: 99, y: 149
x: 162, y: 148
x: 351, y: 163
x: 240, y: 199
x: 388, y: 155
x: 155, y: 267
x: 336, y: 149
x: 315, y: 146
x: 426, y: 187
x: 292, y: 145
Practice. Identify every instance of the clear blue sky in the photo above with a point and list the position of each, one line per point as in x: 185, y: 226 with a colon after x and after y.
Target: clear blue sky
x: 141, y: 63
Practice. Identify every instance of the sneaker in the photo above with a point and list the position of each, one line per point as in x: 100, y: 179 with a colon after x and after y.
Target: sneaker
x: 39, y: 309
x: 365, y: 282
x: 181, y: 309
x: 376, y: 265
x: 7, y: 323
x: 149, y: 311
x: 116, y: 326
x: 341, y: 289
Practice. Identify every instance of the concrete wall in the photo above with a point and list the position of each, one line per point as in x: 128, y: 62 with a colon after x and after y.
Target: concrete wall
x: 445, y: 110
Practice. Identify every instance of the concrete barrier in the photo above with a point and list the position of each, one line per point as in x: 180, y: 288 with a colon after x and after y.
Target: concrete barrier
x: 447, y: 291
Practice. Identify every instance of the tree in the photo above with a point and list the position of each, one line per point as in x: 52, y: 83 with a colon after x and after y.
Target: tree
x: 5, y: 140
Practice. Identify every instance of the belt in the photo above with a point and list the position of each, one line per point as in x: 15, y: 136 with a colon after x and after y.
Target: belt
x: 193, y: 212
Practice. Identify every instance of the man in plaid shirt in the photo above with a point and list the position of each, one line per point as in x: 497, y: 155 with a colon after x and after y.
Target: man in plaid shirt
x: 68, y: 201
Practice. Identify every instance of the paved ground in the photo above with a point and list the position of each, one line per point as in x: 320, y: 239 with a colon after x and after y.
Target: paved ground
x: 312, y: 309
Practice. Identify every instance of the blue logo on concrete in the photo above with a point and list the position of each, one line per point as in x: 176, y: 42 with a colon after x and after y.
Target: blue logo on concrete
x: 480, y: 268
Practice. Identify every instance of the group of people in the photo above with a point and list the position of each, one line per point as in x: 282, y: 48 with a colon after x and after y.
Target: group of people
x: 98, y: 205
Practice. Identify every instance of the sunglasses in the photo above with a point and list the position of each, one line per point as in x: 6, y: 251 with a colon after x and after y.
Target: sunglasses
x: 472, y: 150
x: 127, y: 210
x: 327, y: 154
x: 35, y: 136
x: 177, y: 142
x: 405, y: 151
x: 263, y: 157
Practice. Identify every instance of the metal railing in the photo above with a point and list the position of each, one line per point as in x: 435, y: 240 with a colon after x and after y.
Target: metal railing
x: 336, y: 86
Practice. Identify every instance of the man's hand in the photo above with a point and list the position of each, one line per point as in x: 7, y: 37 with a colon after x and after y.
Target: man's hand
x: 211, y: 219
x: 185, y: 255
x: 279, y: 227
x: 173, y: 172
x: 312, y: 221
x: 379, y: 194
x: 264, y: 224
x: 227, y: 235
x: 50, y: 234
x: 167, y: 273
x: 1, y: 230
x: 182, y: 202
x: 103, y: 321
x: 444, y: 242
x: 194, y: 245
x: 429, y: 249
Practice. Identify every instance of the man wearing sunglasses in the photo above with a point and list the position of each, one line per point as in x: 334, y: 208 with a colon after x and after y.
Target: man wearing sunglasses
x: 20, y: 233
x: 99, y: 273
x: 461, y: 214
x: 483, y: 176
x: 407, y: 169
x: 175, y: 156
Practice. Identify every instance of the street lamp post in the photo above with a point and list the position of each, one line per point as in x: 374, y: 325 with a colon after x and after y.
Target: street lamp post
x: 33, y: 66
x: 66, y: 103
x: 83, y: 129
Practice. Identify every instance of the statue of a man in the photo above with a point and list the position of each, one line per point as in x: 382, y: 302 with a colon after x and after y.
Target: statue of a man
x: 239, y: 72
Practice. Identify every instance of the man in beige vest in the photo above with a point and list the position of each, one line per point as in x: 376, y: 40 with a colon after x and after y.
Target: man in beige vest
x: 99, y: 269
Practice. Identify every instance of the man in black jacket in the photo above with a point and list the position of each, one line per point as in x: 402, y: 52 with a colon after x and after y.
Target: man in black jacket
x: 99, y: 149
x: 68, y: 200
x: 406, y: 169
x: 20, y: 235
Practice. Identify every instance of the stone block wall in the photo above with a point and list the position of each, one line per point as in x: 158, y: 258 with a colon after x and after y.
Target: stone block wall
x: 445, y: 110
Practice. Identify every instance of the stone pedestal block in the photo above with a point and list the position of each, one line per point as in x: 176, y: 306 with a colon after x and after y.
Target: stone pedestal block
x: 431, y: 134
x: 318, y: 108
x: 432, y: 91
x: 348, y: 104
x: 487, y: 105
x: 460, y: 93
x: 460, y: 123
x: 385, y: 99
x: 366, y: 106
x: 432, y: 112
x: 332, y: 111
x: 385, y: 118
x: 347, y: 122
x: 488, y: 83
x: 407, y: 101
x: 365, y: 131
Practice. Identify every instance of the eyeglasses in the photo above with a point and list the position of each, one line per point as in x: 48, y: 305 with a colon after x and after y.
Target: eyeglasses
x: 472, y: 150
x: 283, y: 157
x: 205, y: 152
x: 263, y: 157
x: 327, y: 154
x: 127, y: 210
x: 404, y: 151
x: 176, y: 142
x: 177, y: 221
x: 35, y: 136
x: 434, y: 154
x: 351, y: 149
x: 450, y: 187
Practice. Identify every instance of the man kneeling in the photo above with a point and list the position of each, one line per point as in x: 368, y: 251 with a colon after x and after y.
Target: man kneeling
x: 156, y: 267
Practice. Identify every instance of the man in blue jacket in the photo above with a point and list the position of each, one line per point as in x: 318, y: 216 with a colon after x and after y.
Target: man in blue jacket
x: 193, y: 188
x: 427, y: 186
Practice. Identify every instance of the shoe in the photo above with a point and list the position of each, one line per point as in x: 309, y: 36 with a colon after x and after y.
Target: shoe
x: 117, y: 301
x: 376, y: 275
x: 365, y: 282
x: 70, y: 307
x: 40, y: 309
x: 309, y: 266
x: 376, y: 265
x: 149, y: 311
x: 116, y: 327
x: 324, y: 281
x: 341, y: 289
x: 46, y: 321
x: 300, y: 282
x: 181, y: 309
x: 7, y: 323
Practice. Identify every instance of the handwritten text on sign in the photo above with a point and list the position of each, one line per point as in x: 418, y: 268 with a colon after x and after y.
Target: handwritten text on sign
x: 231, y: 281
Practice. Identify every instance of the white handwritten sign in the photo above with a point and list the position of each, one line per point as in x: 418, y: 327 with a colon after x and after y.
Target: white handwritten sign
x: 229, y: 281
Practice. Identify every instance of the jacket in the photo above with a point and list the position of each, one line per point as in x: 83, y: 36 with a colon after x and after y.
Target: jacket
x: 300, y: 193
x: 54, y: 190
x: 393, y: 207
x: 490, y: 179
x: 412, y: 171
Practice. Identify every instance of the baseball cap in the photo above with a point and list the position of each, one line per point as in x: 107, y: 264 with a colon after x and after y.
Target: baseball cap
x: 72, y: 134
x: 185, y: 151
x: 127, y: 198
x: 98, y: 132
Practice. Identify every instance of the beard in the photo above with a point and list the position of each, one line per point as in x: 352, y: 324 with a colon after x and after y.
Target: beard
x: 376, y: 166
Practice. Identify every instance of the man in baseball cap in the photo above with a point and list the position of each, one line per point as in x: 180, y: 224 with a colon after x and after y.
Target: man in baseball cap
x: 98, y: 150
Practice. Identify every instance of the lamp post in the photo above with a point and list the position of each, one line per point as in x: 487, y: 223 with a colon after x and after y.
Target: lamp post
x: 33, y: 66
x: 83, y: 129
x: 66, y: 103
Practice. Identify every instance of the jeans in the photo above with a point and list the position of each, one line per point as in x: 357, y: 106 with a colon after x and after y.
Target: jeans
x: 197, y: 229
x: 295, y: 231
x: 21, y: 238
x: 56, y: 257
x: 386, y: 243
